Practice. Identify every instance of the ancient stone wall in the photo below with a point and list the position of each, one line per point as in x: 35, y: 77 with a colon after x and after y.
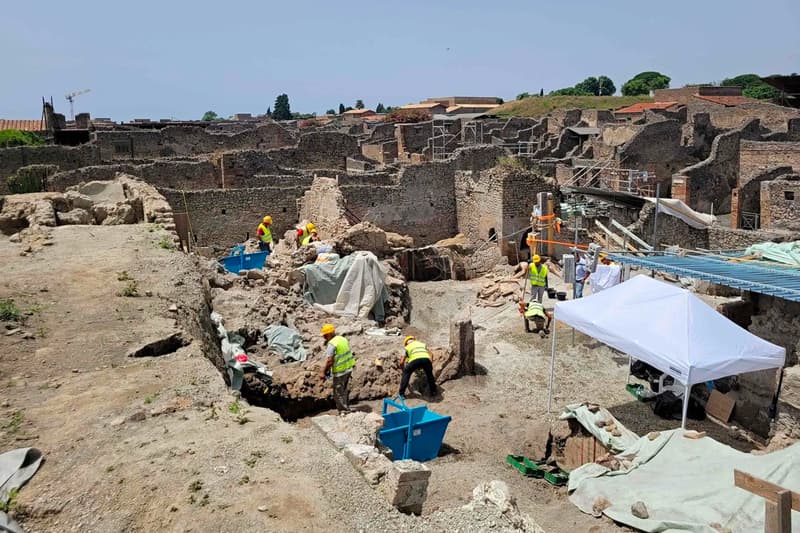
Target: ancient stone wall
x: 318, y: 150
x: 169, y: 173
x: 780, y: 204
x: 725, y: 238
x: 747, y: 198
x: 413, y: 138
x: 225, y: 217
x: 756, y: 157
x: 382, y: 152
x: 67, y: 158
x: 131, y: 144
x: 771, y: 116
x: 656, y: 148
x: 710, y: 181
x: 323, y: 204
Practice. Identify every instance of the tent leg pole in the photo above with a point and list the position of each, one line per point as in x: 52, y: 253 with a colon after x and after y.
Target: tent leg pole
x: 552, y: 367
x: 686, y: 393
x: 573, y: 336
x: 628, y: 381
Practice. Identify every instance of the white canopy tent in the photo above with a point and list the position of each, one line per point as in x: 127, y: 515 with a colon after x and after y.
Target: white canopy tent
x: 669, y: 328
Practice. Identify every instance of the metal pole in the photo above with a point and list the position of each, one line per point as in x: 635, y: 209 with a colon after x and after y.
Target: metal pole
x: 655, y: 217
x: 552, y: 363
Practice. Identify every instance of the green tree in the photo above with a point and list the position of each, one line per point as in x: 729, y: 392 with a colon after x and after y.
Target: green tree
x: 269, y: 112
x: 208, y: 116
x: 379, y: 108
x: 341, y: 109
x: 281, y: 109
x: 644, y: 82
x: 588, y: 86
x: 570, y: 91
x: 752, y: 86
x: 605, y: 87
x: 330, y: 112
x: 520, y: 96
x: 359, y: 104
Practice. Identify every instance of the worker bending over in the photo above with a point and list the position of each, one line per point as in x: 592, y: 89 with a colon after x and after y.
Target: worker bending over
x: 416, y: 357
x: 536, y: 313
x: 537, y: 275
x: 264, y: 234
x: 340, y: 362
x: 306, y: 234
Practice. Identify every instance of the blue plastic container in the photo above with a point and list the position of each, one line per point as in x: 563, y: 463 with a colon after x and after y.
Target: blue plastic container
x: 412, y: 432
x: 238, y: 260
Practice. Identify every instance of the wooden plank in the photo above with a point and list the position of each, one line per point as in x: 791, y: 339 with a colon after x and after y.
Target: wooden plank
x: 616, y: 238
x: 778, y: 516
x: 765, y: 489
x: 720, y: 406
x: 631, y: 234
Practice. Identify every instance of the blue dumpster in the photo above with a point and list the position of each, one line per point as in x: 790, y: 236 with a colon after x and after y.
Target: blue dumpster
x: 412, y: 432
x: 238, y: 260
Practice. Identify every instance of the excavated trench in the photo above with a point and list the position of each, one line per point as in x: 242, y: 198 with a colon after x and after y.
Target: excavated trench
x: 432, y: 305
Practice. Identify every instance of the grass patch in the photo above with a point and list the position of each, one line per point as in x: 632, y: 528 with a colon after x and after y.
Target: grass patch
x: 235, y: 407
x: 510, y: 162
x: 150, y: 398
x: 11, y: 503
x: 14, y: 421
x: 130, y: 290
x: 9, y: 138
x: 166, y: 243
x: 286, y: 439
x: 123, y: 276
x: 9, y: 310
x: 537, y: 106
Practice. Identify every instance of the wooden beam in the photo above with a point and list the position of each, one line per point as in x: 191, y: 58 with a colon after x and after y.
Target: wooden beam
x: 616, y: 238
x: 778, y: 516
x: 631, y: 234
x: 765, y: 489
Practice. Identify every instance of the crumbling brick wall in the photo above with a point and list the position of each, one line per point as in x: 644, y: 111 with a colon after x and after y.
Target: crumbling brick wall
x: 413, y: 138
x: 318, y: 150
x: 771, y: 116
x: 168, y: 173
x: 225, y: 217
x: 747, y: 198
x: 780, y: 204
x: 130, y: 144
x: 725, y: 238
x: 66, y: 157
x: 711, y: 180
x: 323, y: 204
x: 756, y: 157
x: 656, y: 148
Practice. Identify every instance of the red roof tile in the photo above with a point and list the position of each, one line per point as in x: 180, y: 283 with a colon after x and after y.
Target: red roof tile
x: 727, y: 101
x: 24, y: 125
x: 640, y: 108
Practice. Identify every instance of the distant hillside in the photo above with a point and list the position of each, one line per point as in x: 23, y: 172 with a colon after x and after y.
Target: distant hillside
x: 537, y: 106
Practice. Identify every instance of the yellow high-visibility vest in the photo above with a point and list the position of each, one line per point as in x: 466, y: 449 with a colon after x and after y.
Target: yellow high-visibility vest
x: 535, y: 309
x: 343, y: 359
x: 267, y: 236
x: 416, y: 350
x: 537, y: 276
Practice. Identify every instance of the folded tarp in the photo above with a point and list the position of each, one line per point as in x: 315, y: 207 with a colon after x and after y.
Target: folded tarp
x: 604, y: 277
x: 589, y: 420
x: 286, y: 342
x: 678, y: 209
x: 351, y: 286
x: 685, y: 484
x: 783, y: 252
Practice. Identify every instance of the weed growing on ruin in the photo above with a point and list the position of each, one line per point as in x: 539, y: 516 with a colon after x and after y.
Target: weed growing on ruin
x: 110, y: 468
x: 235, y: 407
x: 205, y: 501
x: 196, y: 486
x: 286, y: 439
x: 166, y: 243
x: 131, y: 290
x: 35, y: 309
x: 123, y: 276
x: 150, y: 398
x: 212, y: 414
x: 510, y: 162
x: 245, y: 480
x: 14, y: 421
x: 41, y: 332
x: 9, y: 310
x: 11, y: 503
x: 253, y: 459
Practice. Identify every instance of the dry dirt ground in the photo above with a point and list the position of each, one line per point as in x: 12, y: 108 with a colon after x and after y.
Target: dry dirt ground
x: 158, y: 444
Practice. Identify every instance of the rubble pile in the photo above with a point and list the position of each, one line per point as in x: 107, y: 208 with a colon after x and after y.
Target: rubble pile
x: 369, y: 237
x: 255, y: 299
x: 503, y: 285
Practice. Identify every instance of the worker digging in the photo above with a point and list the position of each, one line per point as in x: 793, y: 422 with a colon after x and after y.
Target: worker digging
x: 536, y: 313
x: 416, y: 357
x: 339, y: 363
x: 307, y: 234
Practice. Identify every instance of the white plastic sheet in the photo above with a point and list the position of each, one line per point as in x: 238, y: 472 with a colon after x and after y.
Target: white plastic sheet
x: 686, y: 485
x: 676, y: 208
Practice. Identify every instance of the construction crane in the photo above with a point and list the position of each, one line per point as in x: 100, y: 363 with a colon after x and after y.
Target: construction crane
x: 71, y: 99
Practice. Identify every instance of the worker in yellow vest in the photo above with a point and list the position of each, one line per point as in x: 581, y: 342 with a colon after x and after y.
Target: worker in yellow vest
x: 537, y: 275
x: 536, y: 313
x: 416, y: 357
x: 340, y: 362
x: 306, y: 234
x: 264, y: 234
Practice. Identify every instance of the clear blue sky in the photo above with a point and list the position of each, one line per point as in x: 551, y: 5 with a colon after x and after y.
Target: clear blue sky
x: 170, y: 58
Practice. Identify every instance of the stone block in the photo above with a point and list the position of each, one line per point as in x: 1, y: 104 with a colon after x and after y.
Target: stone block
x: 338, y: 439
x: 325, y: 424
x: 408, y: 470
x: 75, y: 216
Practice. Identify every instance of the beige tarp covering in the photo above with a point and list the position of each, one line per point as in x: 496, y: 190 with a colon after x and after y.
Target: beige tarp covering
x: 676, y: 208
